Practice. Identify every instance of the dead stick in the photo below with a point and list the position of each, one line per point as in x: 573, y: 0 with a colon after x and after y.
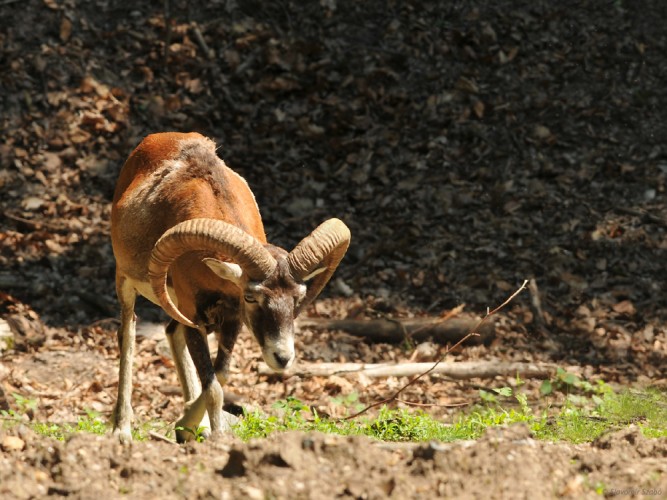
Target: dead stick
x: 159, y: 437
x: 459, y: 371
x: 536, y: 304
x: 444, y: 330
x: 33, y: 224
x: 428, y: 405
x: 208, y: 53
x: 167, y: 32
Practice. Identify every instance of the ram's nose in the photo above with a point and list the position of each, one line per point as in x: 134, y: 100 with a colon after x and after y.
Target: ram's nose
x: 279, y: 360
x: 283, y: 360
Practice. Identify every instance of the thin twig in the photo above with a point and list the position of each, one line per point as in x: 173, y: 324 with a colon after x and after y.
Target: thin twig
x: 167, y: 33
x: 32, y: 224
x: 441, y: 358
x: 428, y: 405
x: 510, y: 299
x: 208, y: 53
x: 159, y: 437
x: 12, y: 419
x: 102, y: 321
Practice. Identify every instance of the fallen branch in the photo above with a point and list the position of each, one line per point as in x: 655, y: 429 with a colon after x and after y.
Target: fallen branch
x: 394, y: 331
x: 458, y: 371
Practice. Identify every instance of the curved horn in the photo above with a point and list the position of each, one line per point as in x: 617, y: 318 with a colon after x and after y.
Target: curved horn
x: 209, y: 235
x: 325, y: 246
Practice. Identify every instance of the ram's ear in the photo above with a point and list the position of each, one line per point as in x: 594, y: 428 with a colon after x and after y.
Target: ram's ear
x: 225, y: 270
x: 314, y: 273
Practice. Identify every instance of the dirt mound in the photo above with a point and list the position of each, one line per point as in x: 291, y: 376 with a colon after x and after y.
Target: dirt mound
x: 505, y: 463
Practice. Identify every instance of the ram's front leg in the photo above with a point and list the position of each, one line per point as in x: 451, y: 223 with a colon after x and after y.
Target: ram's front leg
x: 187, y: 373
x: 211, y: 398
x: 226, y: 340
x: 122, y: 413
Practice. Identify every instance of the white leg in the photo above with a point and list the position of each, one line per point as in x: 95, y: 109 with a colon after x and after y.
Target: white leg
x: 187, y: 376
x: 185, y: 368
x: 123, y: 415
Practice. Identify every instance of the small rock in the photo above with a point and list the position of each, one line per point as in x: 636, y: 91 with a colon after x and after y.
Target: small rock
x: 573, y: 486
x: 32, y: 203
x: 541, y: 132
x: 41, y: 476
x: 254, y: 493
x: 12, y: 443
x: 6, y: 338
x: 343, y: 288
x: 300, y: 206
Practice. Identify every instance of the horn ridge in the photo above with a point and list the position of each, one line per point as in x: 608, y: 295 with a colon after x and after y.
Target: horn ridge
x: 326, y: 245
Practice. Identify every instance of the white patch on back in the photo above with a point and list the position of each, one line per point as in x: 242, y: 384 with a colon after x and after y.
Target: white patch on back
x: 152, y: 188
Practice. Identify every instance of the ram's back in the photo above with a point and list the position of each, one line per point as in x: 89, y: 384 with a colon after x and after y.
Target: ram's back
x: 169, y: 178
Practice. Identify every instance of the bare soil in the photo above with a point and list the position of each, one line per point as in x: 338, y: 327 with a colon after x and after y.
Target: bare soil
x: 505, y: 463
x: 468, y: 145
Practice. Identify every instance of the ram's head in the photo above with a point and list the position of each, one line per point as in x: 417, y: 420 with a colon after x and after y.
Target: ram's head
x: 275, y: 286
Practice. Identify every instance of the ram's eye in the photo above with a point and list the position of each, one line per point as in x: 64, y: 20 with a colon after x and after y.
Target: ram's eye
x: 249, y: 298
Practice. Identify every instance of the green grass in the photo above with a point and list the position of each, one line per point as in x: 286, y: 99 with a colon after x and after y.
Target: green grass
x: 583, y: 417
x: 388, y: 425
x: 578, y: 424
x: 588, y: 411
x: 91, y: 423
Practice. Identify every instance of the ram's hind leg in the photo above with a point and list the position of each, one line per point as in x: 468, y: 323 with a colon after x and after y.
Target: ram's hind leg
x: 187, y: 374
x: 122, y: 415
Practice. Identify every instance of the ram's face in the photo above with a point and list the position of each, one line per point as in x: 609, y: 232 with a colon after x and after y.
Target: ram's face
x: 268, y: 308
x: 268, y: 312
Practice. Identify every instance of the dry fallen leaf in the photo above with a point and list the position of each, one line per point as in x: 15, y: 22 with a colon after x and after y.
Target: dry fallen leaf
x: 478, y: 107
x: 624, y: 307
x: 65, y: 29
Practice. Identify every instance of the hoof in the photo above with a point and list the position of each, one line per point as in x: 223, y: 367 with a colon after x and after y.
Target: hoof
x: 229, y: 420
x: 220, y: 436
x: 124, y: 435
